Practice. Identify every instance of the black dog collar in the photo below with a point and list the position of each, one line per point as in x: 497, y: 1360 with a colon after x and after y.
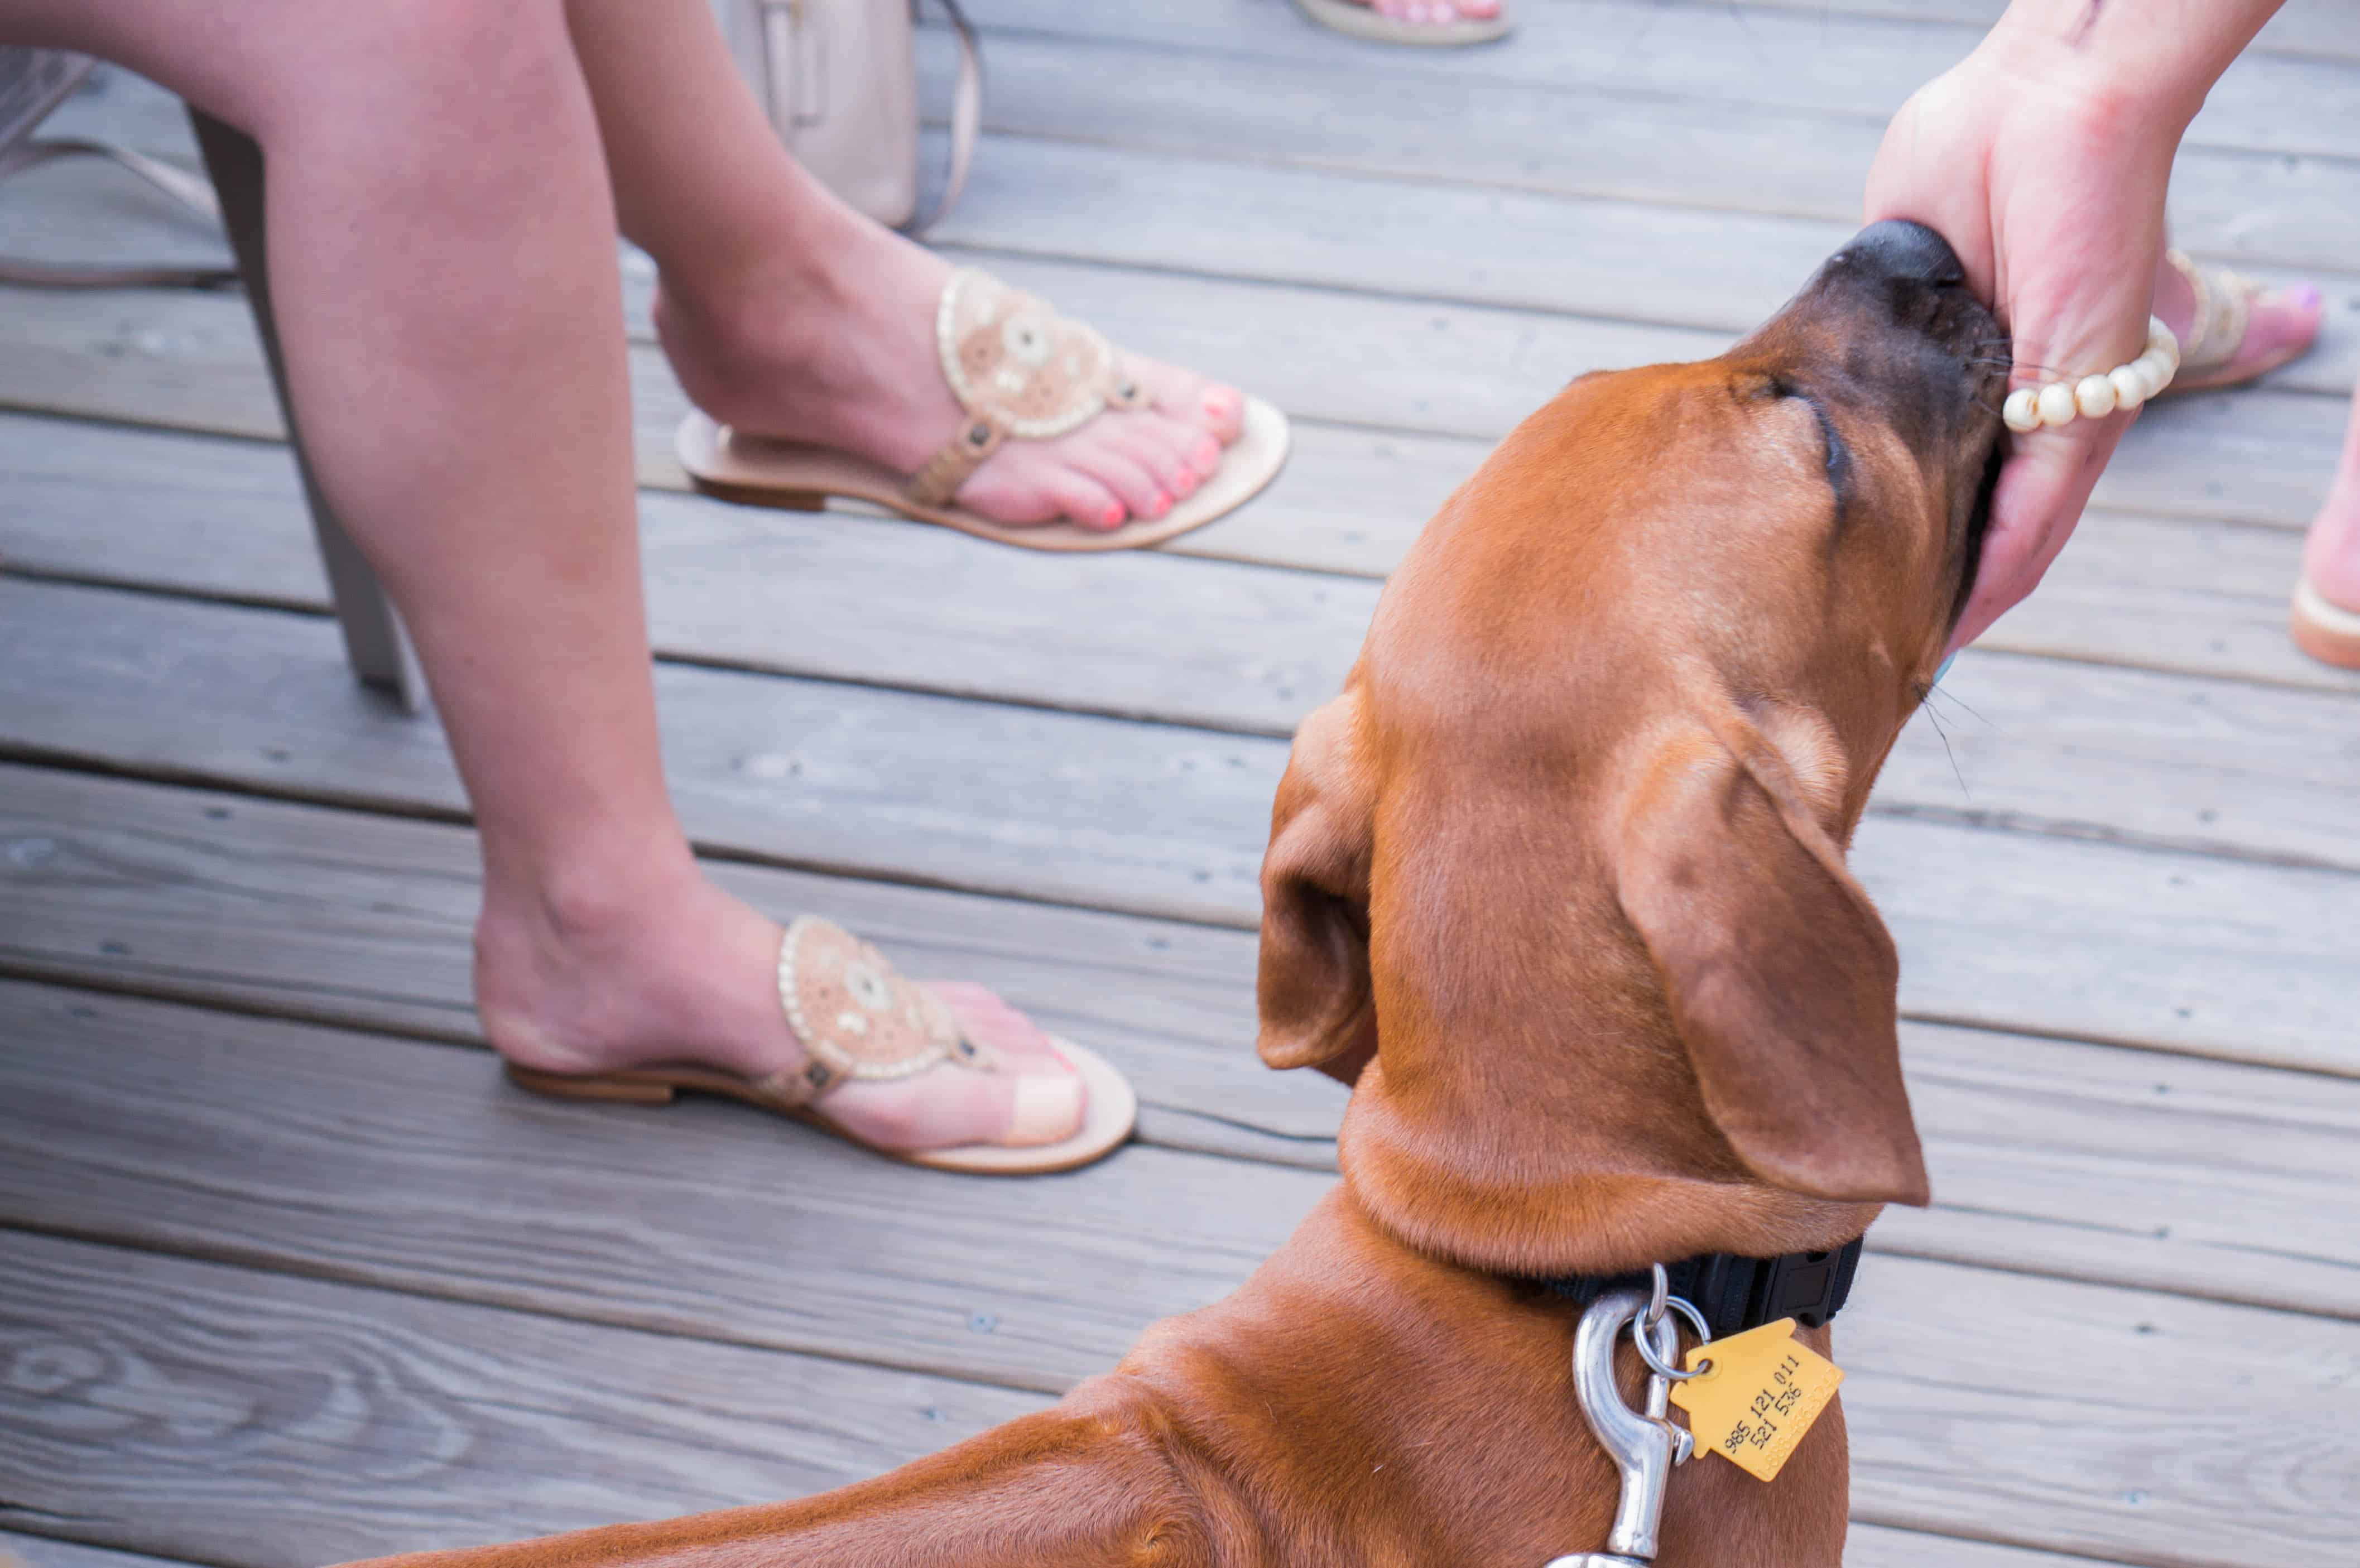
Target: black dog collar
x: 1737, y: 1293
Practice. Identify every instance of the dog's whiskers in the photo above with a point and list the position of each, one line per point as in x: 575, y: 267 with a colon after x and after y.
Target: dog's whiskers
x: 1961, y: 704
x: 1926, y: 704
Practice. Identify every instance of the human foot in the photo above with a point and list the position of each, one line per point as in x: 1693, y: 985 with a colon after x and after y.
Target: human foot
x: 680, y: 972
x: 1411, y: 21
x: 836, y: 346
x: 2206, y: 307
x: 1434, y: 13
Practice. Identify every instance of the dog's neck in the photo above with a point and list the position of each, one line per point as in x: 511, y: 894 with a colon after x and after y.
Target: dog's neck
x: 1598, y: 1185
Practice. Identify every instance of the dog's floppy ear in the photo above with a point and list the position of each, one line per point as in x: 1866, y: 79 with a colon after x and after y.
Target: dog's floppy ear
x: 1312, y: 984
x: 1781, y: 978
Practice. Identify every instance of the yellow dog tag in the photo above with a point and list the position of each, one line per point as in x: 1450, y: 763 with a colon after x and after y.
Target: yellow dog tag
x: 1761, y: 1395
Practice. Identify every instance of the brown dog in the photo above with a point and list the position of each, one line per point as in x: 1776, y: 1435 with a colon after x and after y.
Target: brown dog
x: 1559, y: 878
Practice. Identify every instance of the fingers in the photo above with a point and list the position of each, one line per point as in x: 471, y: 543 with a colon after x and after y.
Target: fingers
x: 2042, y: 492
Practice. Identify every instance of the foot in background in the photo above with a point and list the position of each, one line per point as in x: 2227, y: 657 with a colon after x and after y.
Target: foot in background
x: 2232, y: 329
x: 1441, y: 22
x: 2326, y: 616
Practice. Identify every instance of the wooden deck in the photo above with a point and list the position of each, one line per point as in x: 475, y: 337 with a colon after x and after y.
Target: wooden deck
x: 289, y: 1276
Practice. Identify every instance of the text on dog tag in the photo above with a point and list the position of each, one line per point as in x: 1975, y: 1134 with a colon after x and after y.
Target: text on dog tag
x: 1763, y: 1394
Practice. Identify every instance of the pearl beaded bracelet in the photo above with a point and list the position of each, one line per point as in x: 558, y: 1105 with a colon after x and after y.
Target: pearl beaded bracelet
x: 2125, y: 387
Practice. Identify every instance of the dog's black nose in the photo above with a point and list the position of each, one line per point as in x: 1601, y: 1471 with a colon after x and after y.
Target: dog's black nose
x: 1897, y: 248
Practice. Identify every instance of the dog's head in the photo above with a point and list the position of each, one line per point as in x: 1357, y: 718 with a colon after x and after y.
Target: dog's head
x: 1573, y: 835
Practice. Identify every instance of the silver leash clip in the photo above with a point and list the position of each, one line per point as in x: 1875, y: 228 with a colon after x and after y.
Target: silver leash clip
x: 1645, y: 1445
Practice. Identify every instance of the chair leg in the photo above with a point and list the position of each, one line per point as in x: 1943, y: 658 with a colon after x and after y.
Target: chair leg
x: 374, y: 638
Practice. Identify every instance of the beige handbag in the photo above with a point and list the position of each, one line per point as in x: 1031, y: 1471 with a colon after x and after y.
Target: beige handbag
x: 839, y: 80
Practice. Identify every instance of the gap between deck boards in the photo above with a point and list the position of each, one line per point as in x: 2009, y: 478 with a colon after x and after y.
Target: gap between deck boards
x: 1699, y: 54
x: 350, y: 1422
x: 1621, y: 255
x: 1394, y: 400
x: 2077, y: 750
x: 830, y: 777
x: 2052, y: 1157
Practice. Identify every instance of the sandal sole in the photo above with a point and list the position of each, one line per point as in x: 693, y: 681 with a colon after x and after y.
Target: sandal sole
x: 2212, y: 380
x: 1112, y: 1110
x: 2328, y: 632
x: 758, y: 470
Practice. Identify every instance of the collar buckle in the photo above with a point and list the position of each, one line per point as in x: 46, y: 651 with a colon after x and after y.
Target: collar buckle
x: 1806, y: 1286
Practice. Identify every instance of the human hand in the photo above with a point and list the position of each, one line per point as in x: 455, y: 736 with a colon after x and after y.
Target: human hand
x: 2051, y: 187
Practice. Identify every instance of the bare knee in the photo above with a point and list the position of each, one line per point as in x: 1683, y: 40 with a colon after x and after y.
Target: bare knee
x: 482, y: 69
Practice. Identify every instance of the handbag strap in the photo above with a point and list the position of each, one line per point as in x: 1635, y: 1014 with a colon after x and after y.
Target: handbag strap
x: 966, y: 118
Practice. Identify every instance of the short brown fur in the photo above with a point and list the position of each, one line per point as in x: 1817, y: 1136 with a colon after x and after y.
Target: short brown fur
x: 1559, y: 881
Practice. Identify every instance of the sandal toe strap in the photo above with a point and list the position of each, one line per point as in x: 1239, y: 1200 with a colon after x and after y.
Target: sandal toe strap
x: 856, y: 1016
x: 1020, y: 370
x: 2223, y: 305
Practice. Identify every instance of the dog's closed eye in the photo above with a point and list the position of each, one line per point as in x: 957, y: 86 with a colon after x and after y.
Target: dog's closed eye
x: 1836, y: 464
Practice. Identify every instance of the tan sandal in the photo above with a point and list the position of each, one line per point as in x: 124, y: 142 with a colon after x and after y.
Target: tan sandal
x: 1022, y: 372
x: 1360, y: 21
x: 860, y: 1019
x: 2225, y: 302
x: 2325, y: 630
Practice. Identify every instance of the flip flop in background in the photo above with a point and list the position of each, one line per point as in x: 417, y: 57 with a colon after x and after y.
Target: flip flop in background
x: 2225, y: 308
x: 860, y: 1019
x: 1366, y: 22
x: 1022, y: 373
x: 2208, y: 358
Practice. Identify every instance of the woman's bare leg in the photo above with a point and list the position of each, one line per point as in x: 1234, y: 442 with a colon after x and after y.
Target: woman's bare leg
x: 441, y: 248
x: 787, y: 312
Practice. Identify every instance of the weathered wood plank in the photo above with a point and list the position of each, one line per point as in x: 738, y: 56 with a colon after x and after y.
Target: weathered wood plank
x: 2095, y: 1162
x: 2148, y: 757
x: 1621, y: 260
x: 2137, y: 756
x: 48, y: 1552
x: 346, y: 917
x: 190, y: 362
x: 1700, y: 51
x: 191, y: 1339
x: 2122, y: 753
x: 1980, y: 1401
x: 1880, y: 1546
x: 2138, y: 1412
x: 2194, y: 597
x: 1048, y: 805
x: 2086, y: 1162
x: 1194, y: 641
x: 2304, y: 27
x: 2201, y: 953
x: 2261, y: 208
x: 2254, y: 209
x: 195, y: 513
x: 225, y: 1416
x: 417, y: 1167
x: 1614, y: 259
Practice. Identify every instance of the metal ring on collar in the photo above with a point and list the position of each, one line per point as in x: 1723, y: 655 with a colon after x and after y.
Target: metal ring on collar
x: 1645, y: 1341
